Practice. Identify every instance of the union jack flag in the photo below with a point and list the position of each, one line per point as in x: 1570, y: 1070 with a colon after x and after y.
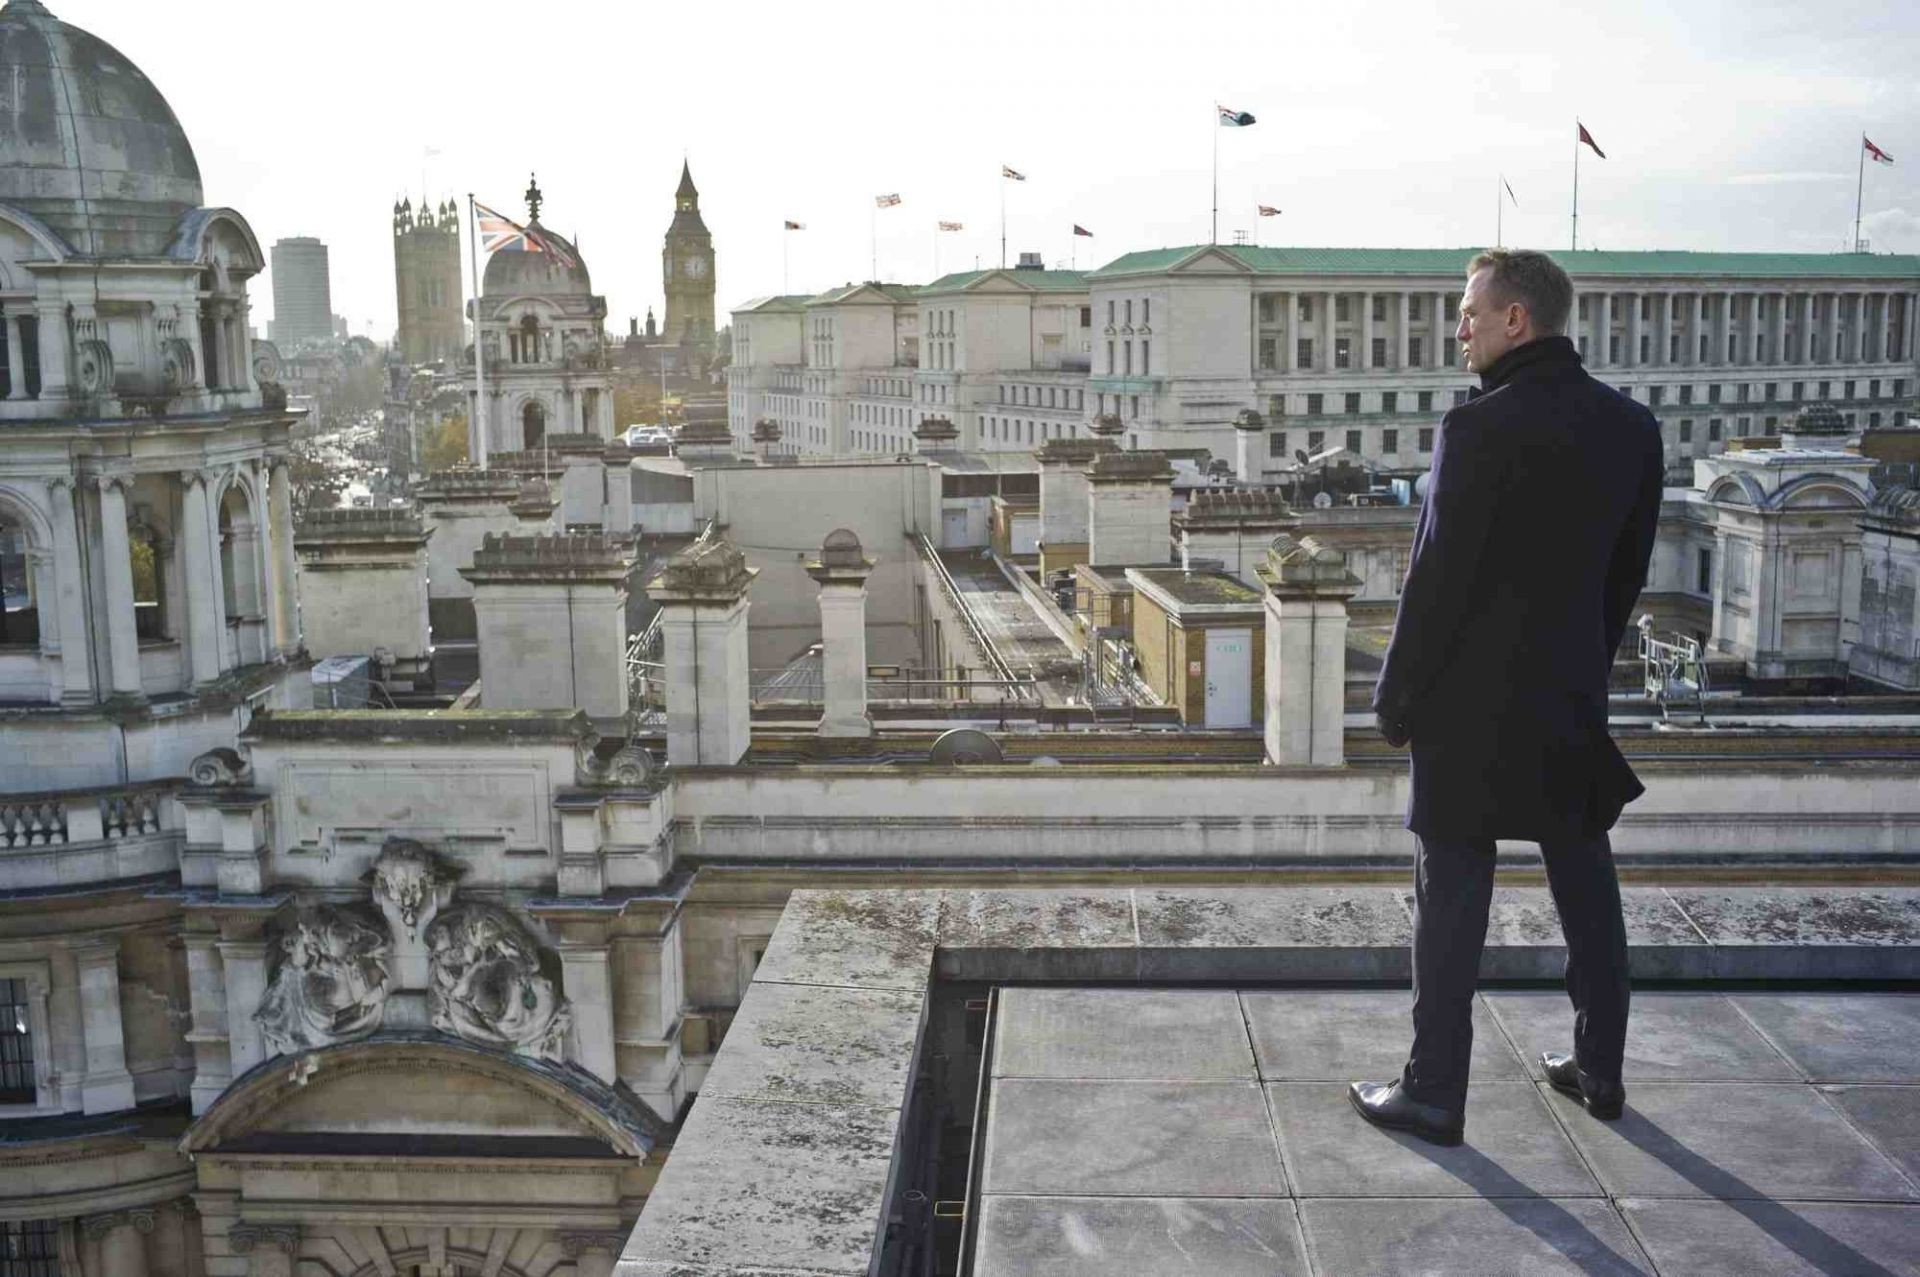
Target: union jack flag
x: 499, y: 233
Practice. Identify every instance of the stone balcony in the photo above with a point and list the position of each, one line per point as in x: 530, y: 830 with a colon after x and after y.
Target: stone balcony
x: 75, y: 836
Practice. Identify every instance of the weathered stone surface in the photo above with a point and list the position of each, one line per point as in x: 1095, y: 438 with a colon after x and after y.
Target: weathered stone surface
x: 1692, y: 1037
x: 1037, y: 935
x: 1808, y: 932
x: 869, y: 939
x: 1889, y: 1116
x: 1709, y: 1140
x: 1269, y: 933
x: 1166, y: 1236
x: 1839, y: 1037
x: 1780, y: 1239
x: 1172, y: 1139
x: 818, y: 1045
x: 1513, y: 1148
x: 1534, y: 1237
x: 781, y: 1186
x: 1121, y: 1033
x: 1312, y: 1035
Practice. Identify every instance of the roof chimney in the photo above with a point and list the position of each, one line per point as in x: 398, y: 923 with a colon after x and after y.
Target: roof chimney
x: 1030, y: 261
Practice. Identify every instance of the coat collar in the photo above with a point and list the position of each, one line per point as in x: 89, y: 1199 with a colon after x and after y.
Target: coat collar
x: 1555, y: 353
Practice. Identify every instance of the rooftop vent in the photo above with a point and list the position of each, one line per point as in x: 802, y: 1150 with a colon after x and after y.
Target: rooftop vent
x: 1030, y: 261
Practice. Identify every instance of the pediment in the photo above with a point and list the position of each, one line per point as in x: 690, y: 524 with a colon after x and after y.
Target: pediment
x: 1210, y: 260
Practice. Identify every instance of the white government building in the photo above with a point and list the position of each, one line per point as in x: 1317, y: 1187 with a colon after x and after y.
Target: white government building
x: 1348, y: 347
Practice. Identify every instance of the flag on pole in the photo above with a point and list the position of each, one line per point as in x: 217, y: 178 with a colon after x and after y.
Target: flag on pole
x: 1007, y: 172
x: 1078, y: 229
x: 1879, y: 156
x: 885, y: 201
x: 499, y: 233
x: 1510, y: 195
x: 952, y: 226
x: 1267, y: 210
x: 796, y: 226
x: 1232, y: 119
x: 1588, y: 139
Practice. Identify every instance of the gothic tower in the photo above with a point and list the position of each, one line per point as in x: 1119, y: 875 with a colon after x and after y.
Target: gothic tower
x: 426, y: 280
x: 686, y: 264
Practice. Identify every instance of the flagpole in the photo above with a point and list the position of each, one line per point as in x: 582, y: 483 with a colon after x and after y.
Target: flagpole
x: 479, y: 424
x: 1213, y: 235
x: 1500, y: 213
x: 1003, y: 217
x: 785, y: 236
x: 1574, y: 246
x: 873, y: 241
x: 1859, y: 190
x: 936, y: 248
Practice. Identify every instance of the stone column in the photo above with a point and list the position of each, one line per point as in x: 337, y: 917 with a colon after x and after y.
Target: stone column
x: 841, y: 571
x: 589, y: 987
x: 76, y: 655
x: 1327, y: 330
x: 1602, y: 330
x: 1307, y: 588
x: 1365, y: 361
x: 202, y: 568
x: 1830, y: 330
x: 1804, y: 330
x: 1438, y: 357
x: 1662, y: 329
x: 282, y: 614
x: 1690, y: 343
x: 207, y: 989
x: 122, y: 1235
x: 16, y: 360
x: 594, y: 1254
x: 702, y: 594
x: 1635, y: 329
x: 123, y: 641
x: 1289, y: 341
x: 55, y: 350
x: 245, y: 962
x: 1400, y: 333
x: 107, y: 1086
x: 270, y: 1248
x: 1777, y: 331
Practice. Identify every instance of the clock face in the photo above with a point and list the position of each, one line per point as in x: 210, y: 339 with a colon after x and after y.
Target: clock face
x: 695, y: 267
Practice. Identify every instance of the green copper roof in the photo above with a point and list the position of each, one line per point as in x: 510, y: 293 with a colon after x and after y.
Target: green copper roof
x: 1044, y: 281
x: 1453, y: 261
x: 778, y: 302
x: 898, y: 292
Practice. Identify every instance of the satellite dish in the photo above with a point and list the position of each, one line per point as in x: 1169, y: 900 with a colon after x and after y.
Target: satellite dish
x: 1300, y: 455
x: 1323, y: 501
x: 964, y: 745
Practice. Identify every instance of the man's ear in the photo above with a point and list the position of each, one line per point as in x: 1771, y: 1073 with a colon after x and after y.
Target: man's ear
x: 1516, y: 318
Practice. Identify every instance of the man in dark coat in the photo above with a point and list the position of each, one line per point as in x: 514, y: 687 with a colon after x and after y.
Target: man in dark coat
x: 1532, y: 546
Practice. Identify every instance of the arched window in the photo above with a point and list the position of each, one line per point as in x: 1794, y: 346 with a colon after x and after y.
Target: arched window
x: 19, y: 608
x: 147, y: 554
x: 529, y: 340
x: 533, y: 424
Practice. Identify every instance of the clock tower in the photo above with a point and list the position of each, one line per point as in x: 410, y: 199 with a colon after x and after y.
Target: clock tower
x: 686, y: 264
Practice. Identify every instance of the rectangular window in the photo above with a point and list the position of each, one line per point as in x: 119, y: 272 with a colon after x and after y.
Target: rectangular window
x: 16, y: 1047
x: 1379, y: 353
x: 1744, y: 427
x: 1086, y: 316
x: 1847, y: 393
x: 1146, y: 310
x: 1303, y: 352
x: 1135, y: 405
x: 1340, y: 307
x: 1146, y: 366
x: 1413, y: 307
x: 1276, y: 405
x: 1414, y: 352
x: 1713, y: 430
x: 1453, y: 352
x: 1686, y: 393
x: 1654, y: 394
x: 1873, y: 420
x: 1129, y: 310
x: 1686, y: 430
x: 1306, y: 308
x: 1389, y: 441
x: 1773, y: 391
x: 1277, y: 444
x: 1703, y: 571
x: 1826, y: 390
x: 1713, y: 393
x: 1351, y: 405
x: 1314, y: 408
x: 1343, y: 352
x: 1127, y: 349
x: 1613, y: 348
x: 1426, y: 439
x: 1459, y: 396
x: 1646, y: 347
x: 1267, y: 355
x: 1353, y: 442
x: 30, y: 1248
x: 1740, y: 392
x: 1426, y: 401
x: 1266, y: 308
x: 1109, y: 312
x: 1583, y: 308
x: 1316, y: 440
x: 1390, y: 401
x: 1873, y: 388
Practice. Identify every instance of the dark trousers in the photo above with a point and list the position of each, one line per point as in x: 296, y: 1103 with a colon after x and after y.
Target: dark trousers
x: 1453, y: 887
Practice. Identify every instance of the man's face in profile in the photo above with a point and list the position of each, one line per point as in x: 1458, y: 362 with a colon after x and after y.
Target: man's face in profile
x: 1489, y: 328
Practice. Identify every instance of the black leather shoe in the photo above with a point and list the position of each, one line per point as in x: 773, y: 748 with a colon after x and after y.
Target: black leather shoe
x: 1604, y: 1100
x: 1389, y: 1106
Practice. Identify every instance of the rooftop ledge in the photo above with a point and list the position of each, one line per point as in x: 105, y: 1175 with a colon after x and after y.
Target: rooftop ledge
x: 414, y: 725
x: 794, y: 1157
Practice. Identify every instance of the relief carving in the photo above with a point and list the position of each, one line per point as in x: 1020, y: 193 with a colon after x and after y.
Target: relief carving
x: 330, y: 984
x: 489, y: 986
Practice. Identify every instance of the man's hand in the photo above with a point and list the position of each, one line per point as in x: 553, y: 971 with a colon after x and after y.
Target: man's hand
x: 1396, y: 732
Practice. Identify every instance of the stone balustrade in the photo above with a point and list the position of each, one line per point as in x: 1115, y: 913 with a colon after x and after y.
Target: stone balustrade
x: 90, y: 835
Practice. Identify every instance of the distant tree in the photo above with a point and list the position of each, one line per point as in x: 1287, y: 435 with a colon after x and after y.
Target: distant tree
x: 315, y: 485
x: 636, y: 403
x: 444, y: 447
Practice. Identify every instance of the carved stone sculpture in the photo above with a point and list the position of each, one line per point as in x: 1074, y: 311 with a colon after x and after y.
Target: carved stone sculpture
x: 219, y: 767
x: 410, y: 885
x: 330, y: 984
x: 488, y: 986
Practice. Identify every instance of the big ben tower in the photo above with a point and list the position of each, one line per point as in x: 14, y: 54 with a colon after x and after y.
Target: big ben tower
x: 687, y: 270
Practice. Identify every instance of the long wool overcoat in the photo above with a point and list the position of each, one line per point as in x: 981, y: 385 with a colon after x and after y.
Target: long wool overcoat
x: 1532, y: 545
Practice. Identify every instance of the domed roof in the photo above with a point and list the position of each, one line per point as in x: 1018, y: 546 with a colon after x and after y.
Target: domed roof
x: 89, y: 147
x: 515, y: 272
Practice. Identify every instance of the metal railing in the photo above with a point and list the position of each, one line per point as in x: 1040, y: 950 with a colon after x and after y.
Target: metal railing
x: 1002, y: 671
x: 1676, y: 671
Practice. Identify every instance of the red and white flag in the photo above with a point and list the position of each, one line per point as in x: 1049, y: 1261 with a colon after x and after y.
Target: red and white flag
x: 1588, y: 139
x: 1879, y: 156
x: 952, y: 226
x: 1267, y: 210
x: 885, y: 201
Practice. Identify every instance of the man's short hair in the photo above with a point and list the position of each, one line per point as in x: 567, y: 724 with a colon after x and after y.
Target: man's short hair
x: 1532, y: 279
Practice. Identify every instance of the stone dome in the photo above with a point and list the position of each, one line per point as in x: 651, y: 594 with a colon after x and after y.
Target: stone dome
x: 90, y: 147
x: 512, y: 273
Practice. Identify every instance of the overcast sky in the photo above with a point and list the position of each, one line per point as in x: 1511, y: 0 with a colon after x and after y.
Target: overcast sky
x: 1730, y: 125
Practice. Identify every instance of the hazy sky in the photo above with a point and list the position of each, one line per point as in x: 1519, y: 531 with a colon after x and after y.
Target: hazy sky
x: 1729, y: 125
